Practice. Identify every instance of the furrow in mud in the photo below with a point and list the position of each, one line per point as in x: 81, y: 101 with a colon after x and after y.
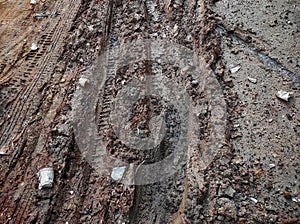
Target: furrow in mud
x: 38, y: 69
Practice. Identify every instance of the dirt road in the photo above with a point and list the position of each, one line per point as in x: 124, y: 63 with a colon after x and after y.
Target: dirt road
x: 202, y: 92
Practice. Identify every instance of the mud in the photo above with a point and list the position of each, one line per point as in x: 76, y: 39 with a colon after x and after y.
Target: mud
x: 241, y: 164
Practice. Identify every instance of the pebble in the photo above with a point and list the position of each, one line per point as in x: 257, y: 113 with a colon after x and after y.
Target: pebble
x: 252, y: 80
x: 284, y: 95
x: 83, y: 81
x: 272, y: 165
x: 254, y: 200
x: 235, y: 69
x: 34, y: 47
x: 195, y: 82
x: 33, y: 2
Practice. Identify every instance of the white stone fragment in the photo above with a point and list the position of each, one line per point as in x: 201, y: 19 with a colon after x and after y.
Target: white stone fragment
x: 117, y: 173
x: 284, y: 95
x: 235, y: 69
x: 252, y: 80
x: 33, y: 2
x: 272, y: 165
x: 83, y: 81
x: 34, y: 47
x: 254, y: 200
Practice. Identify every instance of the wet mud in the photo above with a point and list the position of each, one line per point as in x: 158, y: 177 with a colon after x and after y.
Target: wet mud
x: 241, y: 163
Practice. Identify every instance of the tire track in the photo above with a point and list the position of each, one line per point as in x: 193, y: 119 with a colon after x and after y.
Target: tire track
x: 45, y: 58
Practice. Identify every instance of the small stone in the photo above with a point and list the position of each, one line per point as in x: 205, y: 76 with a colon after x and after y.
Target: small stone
x: 272, y: 165
x: 195, y: 83
x: 254, y: 200
x: 33, y: 2
x: 252, y: 80
x: 118, y: 172
x: 34, y: 47
x: 175, y: 28
x: 271, y: 208
x: 236, y: 135
x: 284, y: 95
x: 189, y: 38
x: 235, y: 69
x: 83, y: 81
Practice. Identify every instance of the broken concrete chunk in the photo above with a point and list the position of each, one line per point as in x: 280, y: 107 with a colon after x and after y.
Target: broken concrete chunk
x: 117, y: 173
x: 281, y: 94
x: 46, y: 177
x: 252, y: 80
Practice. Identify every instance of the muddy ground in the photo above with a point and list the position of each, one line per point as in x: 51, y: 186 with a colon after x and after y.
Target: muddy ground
x: 241, y: 160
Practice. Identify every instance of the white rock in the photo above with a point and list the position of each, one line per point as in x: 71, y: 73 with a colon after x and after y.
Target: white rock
x: 272, y: 165
x: 33, y: 2
x: 117, y: 172
x: 252, y: 80
x: 189, y: 38
x: 284, y: 95
x: 83, y: 81
x: 235, y: 69
x: 254, y: 200
x: 297, y: 200
x: 195, y: 82
x: 175, y: 28
x: 34, y: 47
